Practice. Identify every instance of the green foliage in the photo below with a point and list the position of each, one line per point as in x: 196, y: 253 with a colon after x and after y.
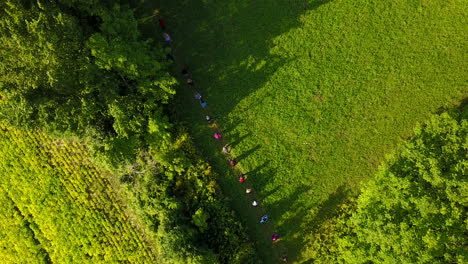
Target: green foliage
x: 90, y: 74
x: 180, y: 199
x: 82, y: 68
x: 117, y: 48
x: 39, y: 50
x: 199, y: 219
x: 17, y: 240
x: 326, y: 244
x: 57, y: 206
x: 415, y: 210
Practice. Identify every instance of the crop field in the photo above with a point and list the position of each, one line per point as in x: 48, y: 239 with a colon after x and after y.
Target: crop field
x: 313, y: 94
x: 59, y: 207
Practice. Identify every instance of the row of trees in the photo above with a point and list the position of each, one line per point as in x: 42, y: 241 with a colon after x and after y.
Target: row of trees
x: 416, y: 208
x: 81, y: 67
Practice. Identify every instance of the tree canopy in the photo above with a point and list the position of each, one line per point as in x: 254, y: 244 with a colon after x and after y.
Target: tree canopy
x: 416, y: 208
x: 81, y: 66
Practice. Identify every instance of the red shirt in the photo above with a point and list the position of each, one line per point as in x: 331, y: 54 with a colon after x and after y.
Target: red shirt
x: 241, y: 179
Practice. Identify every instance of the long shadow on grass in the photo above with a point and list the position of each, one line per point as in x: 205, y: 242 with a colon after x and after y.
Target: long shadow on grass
x: 301, y: 222
x: 236, y: 140
x: 247, y: 153
x: 227, y: 45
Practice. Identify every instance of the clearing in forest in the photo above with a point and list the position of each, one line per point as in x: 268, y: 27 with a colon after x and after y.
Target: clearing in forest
x: 313, y: 94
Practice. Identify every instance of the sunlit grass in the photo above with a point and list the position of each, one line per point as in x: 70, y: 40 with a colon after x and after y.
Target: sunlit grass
x: 315, y: 93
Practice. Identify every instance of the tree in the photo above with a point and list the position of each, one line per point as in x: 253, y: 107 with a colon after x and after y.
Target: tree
x: 86, y: 71
x: 415, y: 211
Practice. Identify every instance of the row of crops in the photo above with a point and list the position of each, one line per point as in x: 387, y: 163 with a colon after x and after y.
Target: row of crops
x: 58, y: 206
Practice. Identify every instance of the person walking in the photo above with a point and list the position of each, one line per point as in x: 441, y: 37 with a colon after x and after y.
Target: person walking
x: 203, y: 103
x: 226, y: 150
x: 209, y: 119
x: 248, y: 190
x: 198, y: 96
x: 162, y: 24
x: 254, y: 203
x: 217, y: 135
x: 190, y: 82
x: 167, y: 38
x: 232, y: 162
x: 264, y: 219
x: 274, y: 237
x: 241, y: 179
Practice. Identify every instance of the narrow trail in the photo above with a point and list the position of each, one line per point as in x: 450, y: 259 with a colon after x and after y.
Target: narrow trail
x: 266, y: 228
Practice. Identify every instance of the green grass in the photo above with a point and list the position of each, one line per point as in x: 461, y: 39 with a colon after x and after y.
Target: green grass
x: 314, y: 94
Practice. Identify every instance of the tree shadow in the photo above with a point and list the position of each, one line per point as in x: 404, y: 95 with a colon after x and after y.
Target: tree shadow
x: 230, y: 126
x: 328, y: 208
x: 247, y: 153
x: 302, y: 221
x: 227, y: 43
x: 261, y: 176
x: 236, y: 139
x: 464, y: 103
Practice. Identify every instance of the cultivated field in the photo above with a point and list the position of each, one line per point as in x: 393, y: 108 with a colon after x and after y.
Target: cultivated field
x: 313, y: 94
x: 59, y: 207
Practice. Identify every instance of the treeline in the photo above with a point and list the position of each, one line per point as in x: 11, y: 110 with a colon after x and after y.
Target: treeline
x: 81, y: 67
x: 416, y: 208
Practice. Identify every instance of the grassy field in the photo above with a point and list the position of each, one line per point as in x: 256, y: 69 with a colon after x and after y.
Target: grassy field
x: 59, y: 207
x: 313, y: 94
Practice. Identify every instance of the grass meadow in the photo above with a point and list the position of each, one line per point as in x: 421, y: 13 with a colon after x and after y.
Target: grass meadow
x: 313, y: 94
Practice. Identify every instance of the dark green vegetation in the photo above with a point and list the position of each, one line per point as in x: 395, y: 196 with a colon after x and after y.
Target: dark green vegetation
x: 415, y: 210
x: 313, y: 94
x: 180, y: 199
x: 81, y: 68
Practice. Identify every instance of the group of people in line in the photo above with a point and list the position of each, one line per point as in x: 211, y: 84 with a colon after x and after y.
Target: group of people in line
x: 209, y: 119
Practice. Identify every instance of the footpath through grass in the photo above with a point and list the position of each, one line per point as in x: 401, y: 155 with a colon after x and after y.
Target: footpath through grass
x: 314, y: 94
